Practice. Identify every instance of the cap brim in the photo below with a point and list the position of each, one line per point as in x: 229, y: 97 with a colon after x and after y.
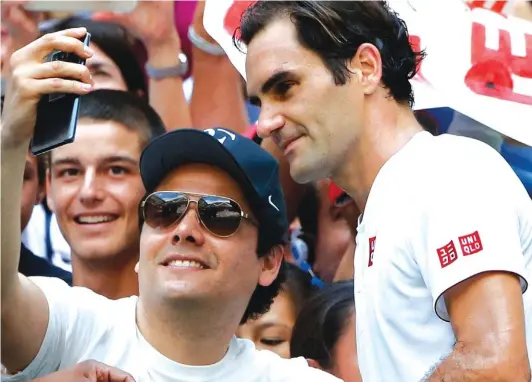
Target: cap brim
x: 180, y: 147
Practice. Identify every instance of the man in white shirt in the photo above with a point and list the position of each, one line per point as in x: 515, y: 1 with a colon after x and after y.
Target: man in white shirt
x: 444, y: 249
x: 205, y: 266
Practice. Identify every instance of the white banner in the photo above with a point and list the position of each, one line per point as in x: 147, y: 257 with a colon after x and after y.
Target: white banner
x: 479, y: 62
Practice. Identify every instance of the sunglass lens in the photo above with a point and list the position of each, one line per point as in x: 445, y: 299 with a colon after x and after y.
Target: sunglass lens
x: 163, y: 209
x: 220, y: 215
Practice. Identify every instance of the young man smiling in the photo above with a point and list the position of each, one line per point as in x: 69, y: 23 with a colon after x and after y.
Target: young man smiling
x: 94, y: 187
x: 444, y: 249
x: 210, y: 253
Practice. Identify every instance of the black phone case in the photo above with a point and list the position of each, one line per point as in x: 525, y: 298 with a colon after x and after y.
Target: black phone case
x: 57, y: 114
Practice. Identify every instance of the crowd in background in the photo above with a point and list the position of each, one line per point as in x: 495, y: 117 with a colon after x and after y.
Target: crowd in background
x: 312, y: 316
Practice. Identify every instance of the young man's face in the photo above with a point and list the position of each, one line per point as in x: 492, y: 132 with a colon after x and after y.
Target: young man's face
x: 230, y: 268
x: 94, y: 188
x: 312, y: 120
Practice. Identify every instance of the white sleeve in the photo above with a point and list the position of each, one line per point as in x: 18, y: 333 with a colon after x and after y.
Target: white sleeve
x: 73, y: 327
x: 469, y: 225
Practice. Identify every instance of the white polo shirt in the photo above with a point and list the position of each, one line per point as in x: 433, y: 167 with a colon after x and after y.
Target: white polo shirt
x: 84, y: 325
x: 441, y: 210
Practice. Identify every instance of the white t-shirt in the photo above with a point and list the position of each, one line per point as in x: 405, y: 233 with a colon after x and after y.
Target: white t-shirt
x: 441, y: 210
x: 84, y: 325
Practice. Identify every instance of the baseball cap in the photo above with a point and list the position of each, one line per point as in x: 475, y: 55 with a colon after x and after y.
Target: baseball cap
x: 252, y: 167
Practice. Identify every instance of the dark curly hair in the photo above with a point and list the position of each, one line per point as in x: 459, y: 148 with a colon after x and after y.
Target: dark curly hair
x: 334, y: 30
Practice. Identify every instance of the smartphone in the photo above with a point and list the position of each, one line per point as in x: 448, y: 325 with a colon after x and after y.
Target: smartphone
x: 122, y: 6
x: 57, y: 113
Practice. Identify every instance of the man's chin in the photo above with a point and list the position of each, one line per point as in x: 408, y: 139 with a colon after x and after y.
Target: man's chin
x: 304, y: 173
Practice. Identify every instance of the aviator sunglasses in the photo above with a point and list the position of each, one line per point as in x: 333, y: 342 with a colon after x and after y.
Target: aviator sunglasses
x: 218, y: 214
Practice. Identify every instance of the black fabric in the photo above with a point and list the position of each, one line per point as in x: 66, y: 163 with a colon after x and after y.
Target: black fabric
x: 32, y: 265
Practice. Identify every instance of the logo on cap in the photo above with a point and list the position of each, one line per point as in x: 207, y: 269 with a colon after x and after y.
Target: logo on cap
x: 212, y: 133
x: 273, y: 205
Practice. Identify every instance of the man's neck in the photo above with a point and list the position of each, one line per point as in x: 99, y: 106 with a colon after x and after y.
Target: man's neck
x: 113, y: 281
x: 387, y: 130
x: 188, y: 334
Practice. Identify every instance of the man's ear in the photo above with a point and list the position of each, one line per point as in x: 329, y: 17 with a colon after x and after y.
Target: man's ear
x: 313, y: 363
x: 366, y: 66
x: 49, y: 200
x: 270, y: 264
x: 137, y: 268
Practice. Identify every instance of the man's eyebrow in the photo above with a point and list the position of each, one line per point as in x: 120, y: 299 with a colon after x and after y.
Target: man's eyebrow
x: 274, y: 79
x: 65, y: 161
x: 120, y: 158
x: 109, y: 159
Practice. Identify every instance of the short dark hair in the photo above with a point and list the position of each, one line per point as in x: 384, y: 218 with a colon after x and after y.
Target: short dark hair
x: 117, y: 43
x: 335, y: 30
x: 321, y: 323
x: 126, y: 108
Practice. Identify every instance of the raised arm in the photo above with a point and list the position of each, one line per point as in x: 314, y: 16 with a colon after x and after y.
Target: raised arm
x: 153, y: 23
x: 25, y: 310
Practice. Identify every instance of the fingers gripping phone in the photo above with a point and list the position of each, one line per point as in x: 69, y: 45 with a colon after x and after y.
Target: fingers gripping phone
x: 57, y: 114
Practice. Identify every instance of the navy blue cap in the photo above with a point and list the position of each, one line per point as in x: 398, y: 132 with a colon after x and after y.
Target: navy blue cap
x: 252, y: 167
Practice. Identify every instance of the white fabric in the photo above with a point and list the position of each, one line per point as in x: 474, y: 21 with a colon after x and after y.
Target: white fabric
x: 433, y: 191
x: 84, y: 325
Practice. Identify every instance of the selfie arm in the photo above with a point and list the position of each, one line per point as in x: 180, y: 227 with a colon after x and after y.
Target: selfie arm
x: 25, y: 309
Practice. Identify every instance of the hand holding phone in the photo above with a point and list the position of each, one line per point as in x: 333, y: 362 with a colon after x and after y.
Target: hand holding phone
x: 57, y: 113
x: 31, y: 78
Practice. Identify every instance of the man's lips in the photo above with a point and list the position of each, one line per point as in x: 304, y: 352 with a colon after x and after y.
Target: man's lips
x: 283, y: 144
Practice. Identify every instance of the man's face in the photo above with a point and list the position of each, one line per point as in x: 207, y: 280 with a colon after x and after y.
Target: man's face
x: 230, y: 268
x: 94, y: 188
x: 31, y: 190
x: 104, y: 71
x: 312, y: 120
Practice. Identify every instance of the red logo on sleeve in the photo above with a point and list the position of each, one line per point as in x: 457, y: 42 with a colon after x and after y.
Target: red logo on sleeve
x: 447, y: 254
x: 470, y: 244
x: 371, y: 250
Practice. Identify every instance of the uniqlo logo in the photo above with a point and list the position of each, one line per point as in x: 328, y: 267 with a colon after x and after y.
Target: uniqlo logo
x: 447, y: 254
x: 470, y: 244
x: 371, y: 250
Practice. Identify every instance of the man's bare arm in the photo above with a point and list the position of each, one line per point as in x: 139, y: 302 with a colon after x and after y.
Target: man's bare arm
x: 25, y: 311
x: 487, y: 316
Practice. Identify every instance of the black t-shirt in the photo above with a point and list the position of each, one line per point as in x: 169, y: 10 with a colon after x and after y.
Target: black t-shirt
x: 32, y: 265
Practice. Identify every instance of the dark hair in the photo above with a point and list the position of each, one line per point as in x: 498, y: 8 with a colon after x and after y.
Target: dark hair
x: 335, y: 30
x: 125, y: 108
x: 322, y: 321
x: 122, y: 107
x: 298, y: 285
x: 117, y: 43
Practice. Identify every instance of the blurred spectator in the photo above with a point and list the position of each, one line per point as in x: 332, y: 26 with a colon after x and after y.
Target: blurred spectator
x: 94, y: 188
x: 114, y: 64
x: 324, y: 332
x: 273, y: 330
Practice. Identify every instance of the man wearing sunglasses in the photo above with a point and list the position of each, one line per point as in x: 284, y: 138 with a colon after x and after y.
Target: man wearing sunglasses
x: 210, y: 253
